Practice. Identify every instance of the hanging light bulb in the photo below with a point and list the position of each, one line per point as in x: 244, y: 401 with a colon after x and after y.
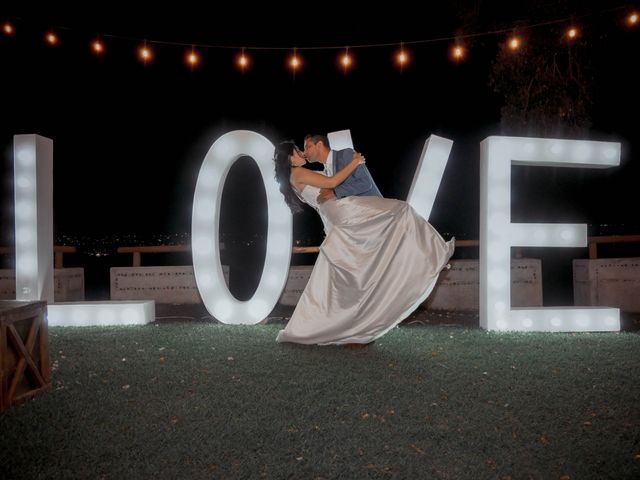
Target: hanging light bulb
x: 192, y: 58
x: 51, y: 38
x: 515, y: 43
x: 145, y: 53
x: 295, y: 61
x: 458, y: 52
x: 243, y: 61
x: 8, y: 29
x: 346, y: 60
x: 632, y: 19
x: 572, y: 33
x: 98, y: 47
x: 402, y: 57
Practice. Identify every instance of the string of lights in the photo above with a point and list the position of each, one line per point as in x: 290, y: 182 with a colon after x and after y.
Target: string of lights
x: 193, y: 56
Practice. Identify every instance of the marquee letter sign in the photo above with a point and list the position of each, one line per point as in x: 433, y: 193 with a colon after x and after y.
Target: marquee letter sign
x: 33, y: 184
x: 498, y: 234
x: 205, y: 230
x: 34, y: 259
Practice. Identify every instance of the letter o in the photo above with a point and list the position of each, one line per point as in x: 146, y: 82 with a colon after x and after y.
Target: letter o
x: 205, y: 230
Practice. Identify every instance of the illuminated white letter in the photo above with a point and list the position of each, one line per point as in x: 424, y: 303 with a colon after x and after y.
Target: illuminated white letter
x: 428, y: 174
x: 340, y: 140
x: 205, y: 230
x: 33, y: 171
x: 498, y: 234
x: 33, y: 184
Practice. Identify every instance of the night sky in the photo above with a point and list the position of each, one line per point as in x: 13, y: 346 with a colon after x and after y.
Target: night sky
x: 129, y: 139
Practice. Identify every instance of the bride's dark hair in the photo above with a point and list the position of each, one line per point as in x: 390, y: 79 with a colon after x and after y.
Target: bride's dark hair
x: 282, y: 160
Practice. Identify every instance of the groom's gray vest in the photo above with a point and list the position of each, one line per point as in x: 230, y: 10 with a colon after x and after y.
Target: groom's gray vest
x: 359, y: 183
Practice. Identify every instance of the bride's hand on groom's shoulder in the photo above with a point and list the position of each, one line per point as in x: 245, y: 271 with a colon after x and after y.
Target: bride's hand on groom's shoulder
x: 357, y: 156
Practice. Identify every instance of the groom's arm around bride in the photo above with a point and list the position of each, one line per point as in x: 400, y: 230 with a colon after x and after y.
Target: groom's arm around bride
x: 359, y: 183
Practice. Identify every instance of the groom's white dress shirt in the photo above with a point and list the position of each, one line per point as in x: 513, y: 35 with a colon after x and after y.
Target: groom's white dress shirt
x: 328, y: 166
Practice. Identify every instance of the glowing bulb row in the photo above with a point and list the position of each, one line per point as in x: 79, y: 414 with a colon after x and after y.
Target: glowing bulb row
x: 345, y: 60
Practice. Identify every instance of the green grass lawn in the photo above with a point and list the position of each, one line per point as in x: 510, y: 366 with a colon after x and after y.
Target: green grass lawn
x: 204, y: 400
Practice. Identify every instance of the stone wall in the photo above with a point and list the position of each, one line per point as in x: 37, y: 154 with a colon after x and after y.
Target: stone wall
x: 173, y: 284
x: 68, y: 284
x: 457, y: 289
x: 607, y: 282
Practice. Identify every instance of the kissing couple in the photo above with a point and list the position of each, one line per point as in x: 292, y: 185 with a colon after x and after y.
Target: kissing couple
x: 379, y: 259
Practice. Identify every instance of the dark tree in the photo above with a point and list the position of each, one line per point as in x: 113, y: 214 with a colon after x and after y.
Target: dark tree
x: 545, y: 85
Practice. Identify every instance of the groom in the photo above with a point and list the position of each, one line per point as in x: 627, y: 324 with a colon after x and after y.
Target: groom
x: 360, y: 182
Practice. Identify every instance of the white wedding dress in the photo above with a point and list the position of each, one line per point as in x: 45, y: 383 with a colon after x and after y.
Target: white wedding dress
x: 378, y: 262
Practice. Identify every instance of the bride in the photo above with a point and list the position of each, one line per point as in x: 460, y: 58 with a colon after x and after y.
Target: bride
x: 378, y: 262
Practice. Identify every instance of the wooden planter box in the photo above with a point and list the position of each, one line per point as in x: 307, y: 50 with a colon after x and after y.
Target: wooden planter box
x: 24, y: 351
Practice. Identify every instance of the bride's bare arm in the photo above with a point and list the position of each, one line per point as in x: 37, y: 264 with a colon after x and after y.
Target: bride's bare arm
x: 308, y: 177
